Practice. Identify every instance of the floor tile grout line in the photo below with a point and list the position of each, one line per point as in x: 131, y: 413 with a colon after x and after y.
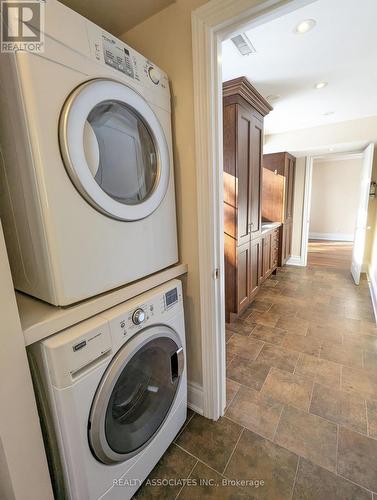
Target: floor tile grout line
x: 298, y: 359
x: 185, y: 425
x: 356, y: 484
x: 253, y: 431
x: 228, y: 404
x: 311, y: 395
x: 366, y: 415
x: 234, y: 449
x: 295, y: 479
x: 337, y: 448
x: 199, y: 459
x: 278, y: 423
x: 188, y: 477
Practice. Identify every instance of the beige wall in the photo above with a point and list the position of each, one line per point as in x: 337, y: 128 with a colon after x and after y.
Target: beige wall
x: 335, y: 198
x: 165, y: 38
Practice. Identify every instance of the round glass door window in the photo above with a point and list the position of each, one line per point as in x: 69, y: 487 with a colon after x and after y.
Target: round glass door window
x: 134, y: 398
x: 114, y: 149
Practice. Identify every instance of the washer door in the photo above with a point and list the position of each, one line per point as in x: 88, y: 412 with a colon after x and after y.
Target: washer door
x: 114, y: 149
x: 135, y: 394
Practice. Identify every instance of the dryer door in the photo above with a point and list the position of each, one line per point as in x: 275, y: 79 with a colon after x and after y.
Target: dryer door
x: 114, y: 149
x: 135, y: 394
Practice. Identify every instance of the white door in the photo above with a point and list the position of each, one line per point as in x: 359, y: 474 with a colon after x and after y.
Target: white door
x: 114, y: 149
x: 362, y: 215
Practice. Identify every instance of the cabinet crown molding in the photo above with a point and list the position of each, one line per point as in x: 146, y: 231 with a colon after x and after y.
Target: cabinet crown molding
x: 241, y: 86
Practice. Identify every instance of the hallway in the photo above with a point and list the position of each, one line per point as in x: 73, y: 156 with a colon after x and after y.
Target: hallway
x: 326, y: 253
x: 302, y: 399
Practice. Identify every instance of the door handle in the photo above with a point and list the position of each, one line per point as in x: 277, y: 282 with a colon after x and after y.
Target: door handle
x: 177, y: 364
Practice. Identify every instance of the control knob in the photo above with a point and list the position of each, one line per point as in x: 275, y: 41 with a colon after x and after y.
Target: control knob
x: 154, y: 75
x: 138, y: 316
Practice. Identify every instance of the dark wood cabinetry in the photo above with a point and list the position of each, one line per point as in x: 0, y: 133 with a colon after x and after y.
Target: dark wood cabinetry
x: 243, y: 112
x: 277, y: 197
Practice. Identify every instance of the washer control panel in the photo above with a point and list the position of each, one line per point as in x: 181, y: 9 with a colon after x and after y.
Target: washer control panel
x: 158, y: 307
x: 138, y: 316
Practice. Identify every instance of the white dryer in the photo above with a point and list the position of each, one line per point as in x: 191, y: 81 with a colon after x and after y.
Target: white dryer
x: 87, y: 188
x: 112, y: 391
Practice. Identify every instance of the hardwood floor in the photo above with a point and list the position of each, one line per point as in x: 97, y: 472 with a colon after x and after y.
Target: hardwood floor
x: 335, y: 254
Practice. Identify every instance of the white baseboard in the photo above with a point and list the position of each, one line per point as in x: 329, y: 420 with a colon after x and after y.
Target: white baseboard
x: 373, y: 292
x: 331, y: 236
x: 195, y: 397
x: 295, y: 260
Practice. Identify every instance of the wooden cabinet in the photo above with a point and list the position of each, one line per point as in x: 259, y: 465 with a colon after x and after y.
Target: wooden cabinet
x: 270, y: 251
x: 243, y: 112
x: 266, y: 256
x: 255, y: 265
x: 277, y: 198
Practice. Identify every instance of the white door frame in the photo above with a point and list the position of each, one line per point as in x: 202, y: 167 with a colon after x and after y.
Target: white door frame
x: 306, y: 209
x: 308, y: 195
x: 211, y: 24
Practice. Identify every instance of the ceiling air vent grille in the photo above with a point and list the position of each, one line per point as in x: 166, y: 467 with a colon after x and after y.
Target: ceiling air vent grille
x: 243, y: 44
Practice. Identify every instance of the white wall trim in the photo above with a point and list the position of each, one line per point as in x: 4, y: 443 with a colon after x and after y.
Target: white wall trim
x: 306, y: 210
x: 373, y: 291
x: 332, y: 236
x: 212, y: 23
x: 195, y: 397
x: 339, y: 157
x: 295, y: 260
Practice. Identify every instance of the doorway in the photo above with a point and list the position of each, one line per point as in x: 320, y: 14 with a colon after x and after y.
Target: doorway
x: 337, y: 196
x: 210, y: 27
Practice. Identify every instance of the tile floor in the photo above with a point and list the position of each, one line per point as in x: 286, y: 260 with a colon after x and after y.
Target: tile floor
x: 301, y: 414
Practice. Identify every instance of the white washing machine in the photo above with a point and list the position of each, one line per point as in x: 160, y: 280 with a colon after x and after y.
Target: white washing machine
x: 114, y: 387
x: 87, y: 188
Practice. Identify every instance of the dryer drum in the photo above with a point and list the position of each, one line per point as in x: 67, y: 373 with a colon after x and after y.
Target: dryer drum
x: 114, y: 149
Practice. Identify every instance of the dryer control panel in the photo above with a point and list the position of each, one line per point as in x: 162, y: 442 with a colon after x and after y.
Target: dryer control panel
x: 111, y: 51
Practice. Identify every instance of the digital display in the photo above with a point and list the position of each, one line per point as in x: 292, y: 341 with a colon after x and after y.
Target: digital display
x: 117, y: 56
x: 171, y: 297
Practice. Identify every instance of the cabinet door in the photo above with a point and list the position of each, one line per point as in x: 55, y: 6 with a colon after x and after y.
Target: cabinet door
x: 275, y: 248
x: 244, y: 128
x: 255, y: 265
x: 287, y: 241
x: 256, y: 142
x: 266, y: 256
x: 288, y: 251
x: 243, y: 276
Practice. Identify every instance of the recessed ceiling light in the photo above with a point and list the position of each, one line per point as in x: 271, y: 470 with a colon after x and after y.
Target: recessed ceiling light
x: 305, y: 26
x: 328, y: 113
x: 273, y: 97
x: 320, y: 85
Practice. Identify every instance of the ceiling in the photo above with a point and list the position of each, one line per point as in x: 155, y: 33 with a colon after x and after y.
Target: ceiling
x: 117, y: 16
x: 340, y: 50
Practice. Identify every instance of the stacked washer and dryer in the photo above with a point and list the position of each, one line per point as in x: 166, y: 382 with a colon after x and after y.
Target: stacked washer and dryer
x: 87, y: 205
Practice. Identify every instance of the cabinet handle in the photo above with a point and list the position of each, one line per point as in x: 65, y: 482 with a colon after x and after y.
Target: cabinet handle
x: 275, y: 172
